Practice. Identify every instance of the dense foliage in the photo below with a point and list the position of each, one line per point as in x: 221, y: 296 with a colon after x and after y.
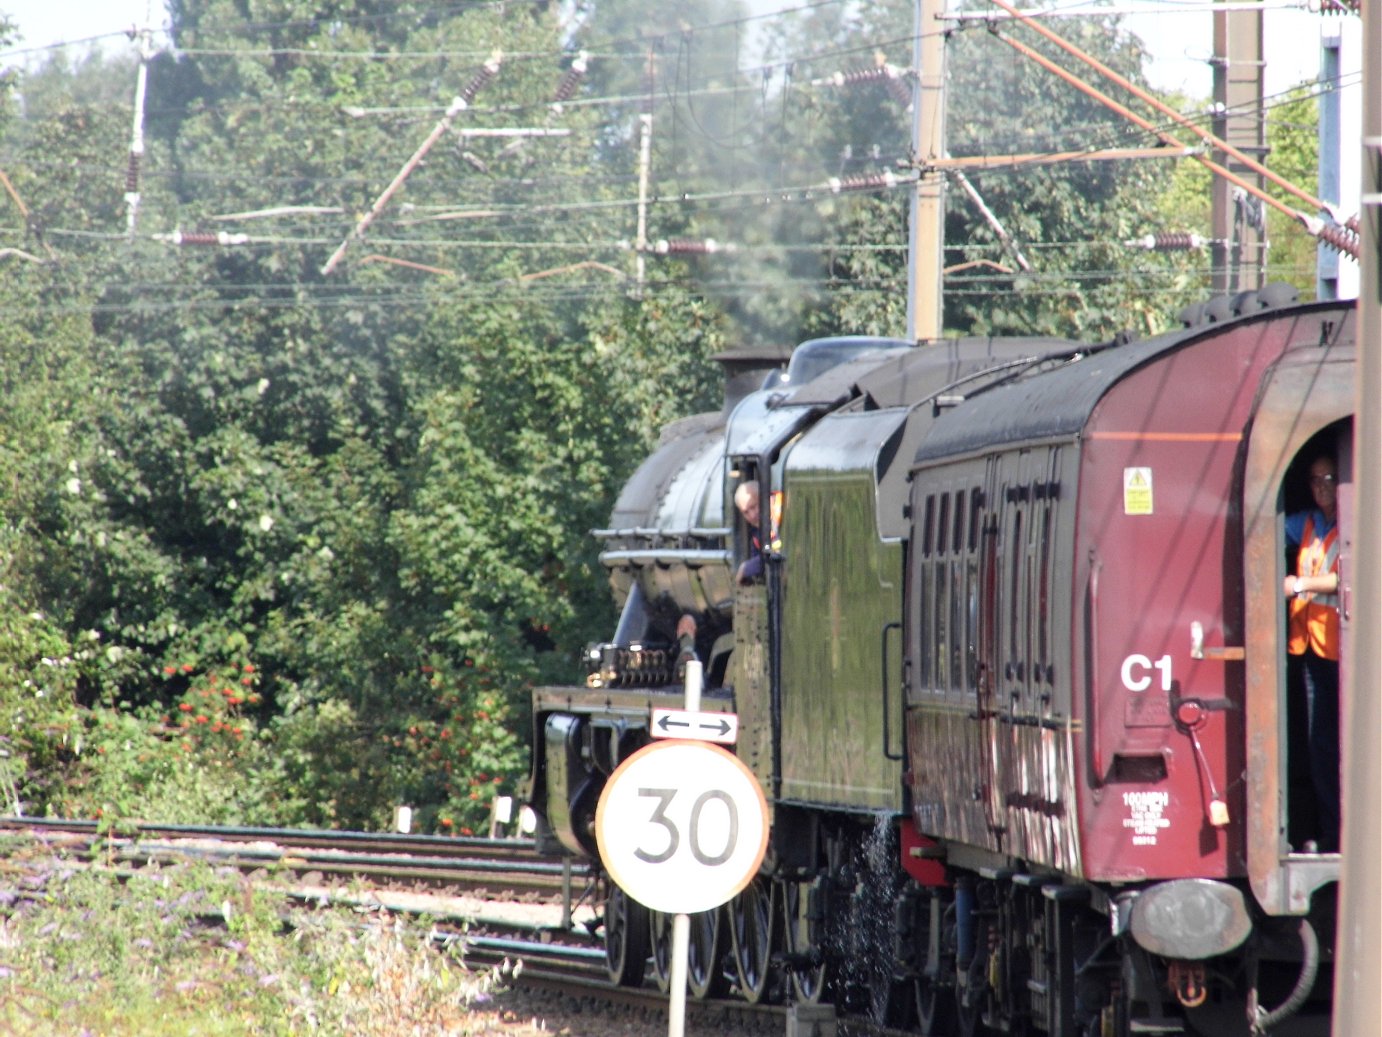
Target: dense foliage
x: 318, y: 531
x: 294, y: 517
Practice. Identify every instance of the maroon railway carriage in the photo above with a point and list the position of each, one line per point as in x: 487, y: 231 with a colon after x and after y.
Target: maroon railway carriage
x: 1096, y: 693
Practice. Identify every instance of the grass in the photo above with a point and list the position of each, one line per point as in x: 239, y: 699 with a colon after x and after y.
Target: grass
x: 195, y: 951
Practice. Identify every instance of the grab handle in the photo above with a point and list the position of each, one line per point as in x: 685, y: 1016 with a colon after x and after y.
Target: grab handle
x: 887, y: 727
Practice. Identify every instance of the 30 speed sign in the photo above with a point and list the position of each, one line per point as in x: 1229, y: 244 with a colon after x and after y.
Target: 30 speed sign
x: 682, y: 826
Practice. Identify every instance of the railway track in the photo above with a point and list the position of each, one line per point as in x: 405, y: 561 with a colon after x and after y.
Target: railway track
x: 493, y: 868
x: 507, y: 901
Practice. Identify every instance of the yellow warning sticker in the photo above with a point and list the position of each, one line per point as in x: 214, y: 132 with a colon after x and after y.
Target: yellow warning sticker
x: 1137, y: 491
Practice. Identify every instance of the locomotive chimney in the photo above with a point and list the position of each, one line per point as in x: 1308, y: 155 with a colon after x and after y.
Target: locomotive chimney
x: 744, y: 370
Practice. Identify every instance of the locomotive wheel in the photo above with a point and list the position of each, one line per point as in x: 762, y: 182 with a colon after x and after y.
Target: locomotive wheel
x: 969, y: 1015
x: 933, y: 1006
x: 808, y: 968
x: 887, y: 999
x: 752, y: 934
x: 704, y: 975
x: 626, y: 938
x: 660, y: 937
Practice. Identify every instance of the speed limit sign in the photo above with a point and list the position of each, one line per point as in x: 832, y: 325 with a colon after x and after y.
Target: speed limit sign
x: 682, y: 826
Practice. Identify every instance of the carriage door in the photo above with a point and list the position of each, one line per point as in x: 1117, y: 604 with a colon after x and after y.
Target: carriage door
x: 1010, y: 702
x: 1304, y: 407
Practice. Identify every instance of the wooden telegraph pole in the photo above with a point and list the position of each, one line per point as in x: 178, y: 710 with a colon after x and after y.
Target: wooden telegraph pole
x: 926, y: 247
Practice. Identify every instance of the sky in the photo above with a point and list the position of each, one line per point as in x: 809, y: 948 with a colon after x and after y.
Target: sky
x: 1181, y: 42
x: 1178, y: 35
x: 44, y: 22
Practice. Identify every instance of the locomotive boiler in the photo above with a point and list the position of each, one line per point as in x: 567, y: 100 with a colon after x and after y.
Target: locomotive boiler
x: 1015, y: 680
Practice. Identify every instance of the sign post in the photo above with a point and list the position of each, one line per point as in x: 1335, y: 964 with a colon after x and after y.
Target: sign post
x: 682, y: 827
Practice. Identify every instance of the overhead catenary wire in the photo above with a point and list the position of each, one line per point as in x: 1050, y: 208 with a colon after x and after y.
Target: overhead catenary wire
x: 474, y: 109
x: 1313, y: 224
x: 801, y: 193
x: 412, y: 14
x: 981, y: 161
x: 1081, y: 54
x: 993, y: 162
x: 288, y: 296
x: 321, y: 54
x: 661, y: 247
x: 1150, y: 283
x: 1215, y: 167
x: 1083, y: 9
x: 760, y: 196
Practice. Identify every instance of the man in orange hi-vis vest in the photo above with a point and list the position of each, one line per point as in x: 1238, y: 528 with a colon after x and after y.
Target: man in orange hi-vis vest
x: 1313, y: 634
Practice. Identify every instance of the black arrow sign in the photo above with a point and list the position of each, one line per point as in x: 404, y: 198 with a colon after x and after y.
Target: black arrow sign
x: 719, y: 726
x: 722, y: 727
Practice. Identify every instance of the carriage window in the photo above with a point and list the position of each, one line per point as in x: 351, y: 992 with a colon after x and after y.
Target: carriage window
x: 1026, y: 668
x: 942, y: 589
x: 972, y: 621
x: 948, y: 590
x: 923, y: 604
x: 1044, y: 596
x: 1015, y: 569
x: 943, y: 524
x: 957, y: 626
x: 975, y: 513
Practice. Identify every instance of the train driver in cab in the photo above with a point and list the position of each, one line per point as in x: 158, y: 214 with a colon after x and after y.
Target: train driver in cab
x: 1313, y: 634
x: 746, y: 500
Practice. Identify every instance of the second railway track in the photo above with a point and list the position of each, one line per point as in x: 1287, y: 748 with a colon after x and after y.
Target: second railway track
x: 510, y: 868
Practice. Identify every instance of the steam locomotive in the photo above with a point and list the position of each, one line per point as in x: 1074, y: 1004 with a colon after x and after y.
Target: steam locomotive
x: 1015, y: 680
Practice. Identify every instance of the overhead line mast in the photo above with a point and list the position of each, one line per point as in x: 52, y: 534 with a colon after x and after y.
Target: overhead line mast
x: 1238, y: 221
x: 926, y: 247
x: 1357, y: 994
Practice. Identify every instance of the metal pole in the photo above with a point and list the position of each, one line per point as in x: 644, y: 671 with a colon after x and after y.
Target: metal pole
x: 645, y: 152
x: 141, y: 85
x: 681, y: 945
x: 681, y: 923
x: 694, y: 671
x: 1357, y: 992
x: 566, y: 920
x: 1239, y: 247
x: 1331, y: 160
x: 927, y: 231
x: 645, y: 161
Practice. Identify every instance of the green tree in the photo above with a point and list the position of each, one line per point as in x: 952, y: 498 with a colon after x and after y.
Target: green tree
x: 322, y: 530
x: 1293, y: 153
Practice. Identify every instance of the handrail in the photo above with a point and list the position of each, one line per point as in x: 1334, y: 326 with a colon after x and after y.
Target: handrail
x: 887, y: 734
x: 697, y: 532
x: 665, y: 555
x: 1095, y: 755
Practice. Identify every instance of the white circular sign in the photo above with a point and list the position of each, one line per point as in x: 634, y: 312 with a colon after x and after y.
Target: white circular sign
x: 682, y: 826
